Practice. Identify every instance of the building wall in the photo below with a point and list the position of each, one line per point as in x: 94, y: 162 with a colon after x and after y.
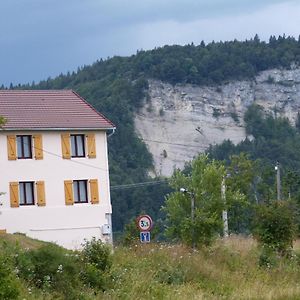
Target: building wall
x: 66, y: 225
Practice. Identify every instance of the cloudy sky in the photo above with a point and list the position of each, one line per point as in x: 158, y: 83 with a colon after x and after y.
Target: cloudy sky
x: 43, y: 38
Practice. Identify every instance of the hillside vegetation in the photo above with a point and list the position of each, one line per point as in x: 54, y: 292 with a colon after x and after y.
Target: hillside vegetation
x: 227, y: 270
x: 118, y: 88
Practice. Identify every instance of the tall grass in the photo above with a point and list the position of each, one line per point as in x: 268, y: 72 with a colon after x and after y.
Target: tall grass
x: 227, y: 270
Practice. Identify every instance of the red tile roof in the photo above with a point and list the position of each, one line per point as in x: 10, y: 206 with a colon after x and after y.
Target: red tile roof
x: 49, y: 109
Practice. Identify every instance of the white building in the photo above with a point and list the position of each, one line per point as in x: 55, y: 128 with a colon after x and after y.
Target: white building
x: 54, y: 167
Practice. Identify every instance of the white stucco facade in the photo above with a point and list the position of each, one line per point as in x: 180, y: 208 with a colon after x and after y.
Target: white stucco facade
x: 66, y: 225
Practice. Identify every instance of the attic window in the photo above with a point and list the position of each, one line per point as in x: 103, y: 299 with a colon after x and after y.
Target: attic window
x: 24, y: 146
x: 77, y: 144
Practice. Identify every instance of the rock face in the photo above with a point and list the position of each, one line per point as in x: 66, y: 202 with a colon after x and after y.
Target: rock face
x: 178, y: 122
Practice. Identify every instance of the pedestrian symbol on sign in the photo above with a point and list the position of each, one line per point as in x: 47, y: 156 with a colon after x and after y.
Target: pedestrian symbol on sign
x: 145, y: 237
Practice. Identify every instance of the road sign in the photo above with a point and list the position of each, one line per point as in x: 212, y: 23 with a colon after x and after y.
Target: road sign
x: 145, y: 237
x: 144, y: 223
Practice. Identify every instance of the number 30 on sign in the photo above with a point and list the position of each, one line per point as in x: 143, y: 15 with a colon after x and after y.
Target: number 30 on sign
x: 144, y: 223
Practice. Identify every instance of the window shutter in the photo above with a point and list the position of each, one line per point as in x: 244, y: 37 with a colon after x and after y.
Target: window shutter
x: 94, y: 191
x: 69, y: 192
x: 65, y: 144
x: 38, y: 146
x: 11, y: 147
x: 40, y: 191
x: 14, y: 194
x: 91, y: 143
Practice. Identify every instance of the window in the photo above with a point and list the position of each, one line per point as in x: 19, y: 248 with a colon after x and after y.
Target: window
x: 77, y: 145
x: 24, y: 146
x: 80, y: 191
x: 26, y: 193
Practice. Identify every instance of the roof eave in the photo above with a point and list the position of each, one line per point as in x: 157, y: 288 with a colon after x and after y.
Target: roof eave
x: 57, y: 129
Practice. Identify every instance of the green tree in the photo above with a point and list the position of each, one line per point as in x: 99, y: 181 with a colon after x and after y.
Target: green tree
x: 275, y: 226
x: 2, y: 121
x: 203, y: 184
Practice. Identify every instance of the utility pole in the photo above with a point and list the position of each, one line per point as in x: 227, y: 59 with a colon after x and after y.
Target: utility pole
x: 224, y: 212
x: 278, y: 182
x: 192, y: 196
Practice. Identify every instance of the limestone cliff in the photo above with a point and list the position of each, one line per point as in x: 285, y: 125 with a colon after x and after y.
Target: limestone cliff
x: 177, y: 122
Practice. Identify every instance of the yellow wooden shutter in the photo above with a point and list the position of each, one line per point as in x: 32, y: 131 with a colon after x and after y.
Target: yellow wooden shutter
x: 40, y: 191
x: 69, y: 192
x: 14, y: 194
x: 91, y: 143
x: 65, y: 145
x: 94, y: 191
x: 38, y: 146
x: 11, y: 147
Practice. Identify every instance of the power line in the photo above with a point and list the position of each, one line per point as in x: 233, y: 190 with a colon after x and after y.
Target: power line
x: 68, y: 160
x: 115, y: 187
x: 169, y: 143
x: 139, y: 184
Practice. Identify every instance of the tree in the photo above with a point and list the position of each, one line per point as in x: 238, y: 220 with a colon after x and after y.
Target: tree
x: 2, y: 121
x: 275, y: 227
x: 203, y: 184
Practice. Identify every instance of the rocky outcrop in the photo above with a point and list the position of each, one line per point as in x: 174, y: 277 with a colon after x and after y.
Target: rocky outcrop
x: 178, y: 122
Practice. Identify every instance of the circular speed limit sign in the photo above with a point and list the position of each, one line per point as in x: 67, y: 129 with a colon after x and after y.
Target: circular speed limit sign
x: 144, y: 223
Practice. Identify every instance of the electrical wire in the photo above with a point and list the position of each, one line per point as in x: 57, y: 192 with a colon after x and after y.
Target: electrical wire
x: 139, y: 184
x: 169, y: 143
x: 114, y: 187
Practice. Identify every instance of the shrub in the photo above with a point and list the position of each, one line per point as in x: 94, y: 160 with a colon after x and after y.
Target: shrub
x: 216, y: 112
x: 97, y: 262
x: 275, y: 227
x: 51, y: 268
x: 234, y: 117
x: 131, y: 233
x: 9, y: 284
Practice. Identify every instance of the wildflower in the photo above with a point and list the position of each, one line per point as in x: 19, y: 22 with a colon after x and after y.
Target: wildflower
x: 59, y: 269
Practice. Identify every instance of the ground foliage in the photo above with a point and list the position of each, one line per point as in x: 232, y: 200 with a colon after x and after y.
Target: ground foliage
x: 117, y: 87
x: 159, y: 271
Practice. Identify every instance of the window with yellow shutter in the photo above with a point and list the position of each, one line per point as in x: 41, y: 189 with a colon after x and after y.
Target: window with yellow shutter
x: 20, y: 146
x: 26, y: 193
x: 76, y: 191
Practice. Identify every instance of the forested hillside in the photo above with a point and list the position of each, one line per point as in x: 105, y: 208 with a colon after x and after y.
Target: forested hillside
x: 118, y: 88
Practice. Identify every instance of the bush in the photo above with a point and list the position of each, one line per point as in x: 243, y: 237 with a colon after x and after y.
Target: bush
x: 51, y: 268
x: 97, y: 262
x: 131, y: 233
x: 275, y: 227
x: 9, y: 284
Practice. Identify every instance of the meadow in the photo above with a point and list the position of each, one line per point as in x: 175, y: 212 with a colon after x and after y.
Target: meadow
x: 227, y: 270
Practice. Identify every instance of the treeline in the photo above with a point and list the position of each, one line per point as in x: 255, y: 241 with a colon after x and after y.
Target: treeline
x: 118, y: 88
x: 271, y: 141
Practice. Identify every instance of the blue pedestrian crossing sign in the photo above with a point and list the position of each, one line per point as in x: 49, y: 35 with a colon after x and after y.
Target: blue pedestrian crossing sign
x: 145, y: 237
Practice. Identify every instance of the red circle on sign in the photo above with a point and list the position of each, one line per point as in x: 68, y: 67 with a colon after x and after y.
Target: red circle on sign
x: 144, y: 223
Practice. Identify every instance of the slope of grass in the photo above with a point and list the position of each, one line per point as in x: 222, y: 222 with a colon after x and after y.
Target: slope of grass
x: 228, y: 270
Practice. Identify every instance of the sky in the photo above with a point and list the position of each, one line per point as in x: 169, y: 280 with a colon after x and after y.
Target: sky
x: 43, y: 38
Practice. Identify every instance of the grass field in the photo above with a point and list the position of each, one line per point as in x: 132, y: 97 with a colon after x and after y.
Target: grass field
x: 227, y: 270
